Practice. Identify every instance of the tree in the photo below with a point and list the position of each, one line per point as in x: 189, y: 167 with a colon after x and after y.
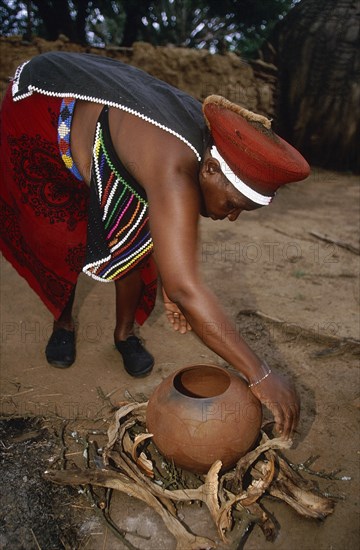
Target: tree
x: 318, y: 57
x: 61, y: 23
x: 249, y: 21
x: 48, y: 18
x: 13, y: 18
x: 134, y: 12
x: 230, y: 24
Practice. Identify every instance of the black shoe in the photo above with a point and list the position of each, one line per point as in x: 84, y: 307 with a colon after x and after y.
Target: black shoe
x: 60, y: 350
x: 137, y: 360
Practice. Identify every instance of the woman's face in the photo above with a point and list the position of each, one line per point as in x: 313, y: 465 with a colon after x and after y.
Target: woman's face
x: 220, y: 199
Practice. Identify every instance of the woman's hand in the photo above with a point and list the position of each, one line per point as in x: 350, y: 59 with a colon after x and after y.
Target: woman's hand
x: 280, y: 397
x: 174, y: 315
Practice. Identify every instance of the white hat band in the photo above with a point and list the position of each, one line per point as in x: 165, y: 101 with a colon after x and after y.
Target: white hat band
x: 238, y: 183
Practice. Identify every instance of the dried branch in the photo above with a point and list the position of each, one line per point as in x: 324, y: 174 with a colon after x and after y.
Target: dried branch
x: 120, y: 482
x: 299, y: 493
x: 232, y: 502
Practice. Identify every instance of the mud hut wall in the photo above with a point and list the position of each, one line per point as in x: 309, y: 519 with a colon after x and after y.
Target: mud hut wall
x: 197, y: 72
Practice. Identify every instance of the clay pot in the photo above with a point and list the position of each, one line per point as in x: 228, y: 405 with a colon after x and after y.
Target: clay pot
x: 202, y: 413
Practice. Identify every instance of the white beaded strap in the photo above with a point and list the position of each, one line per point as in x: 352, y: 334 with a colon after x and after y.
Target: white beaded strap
x: 261, y: 379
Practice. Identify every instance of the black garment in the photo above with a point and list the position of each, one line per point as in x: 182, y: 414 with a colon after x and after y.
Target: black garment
x: 111, y: 82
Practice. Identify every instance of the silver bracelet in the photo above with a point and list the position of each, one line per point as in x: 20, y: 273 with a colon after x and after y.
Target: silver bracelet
x: 261, y: 379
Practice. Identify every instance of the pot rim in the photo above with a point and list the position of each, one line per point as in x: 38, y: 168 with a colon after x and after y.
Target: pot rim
x: 215, y: 367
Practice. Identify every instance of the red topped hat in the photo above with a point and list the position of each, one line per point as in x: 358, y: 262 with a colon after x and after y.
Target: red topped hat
x: 255, y: 159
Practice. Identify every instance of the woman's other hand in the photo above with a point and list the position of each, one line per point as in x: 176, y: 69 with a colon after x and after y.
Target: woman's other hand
x: 174, y: 315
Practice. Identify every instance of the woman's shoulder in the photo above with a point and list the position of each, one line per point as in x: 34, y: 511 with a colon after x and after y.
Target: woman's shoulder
x: 147, y: 151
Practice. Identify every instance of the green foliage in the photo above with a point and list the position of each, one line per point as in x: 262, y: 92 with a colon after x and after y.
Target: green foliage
x: 13, y: 18
x: 237, y: 25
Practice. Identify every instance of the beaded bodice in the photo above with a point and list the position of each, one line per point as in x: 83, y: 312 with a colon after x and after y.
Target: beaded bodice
x: 118, y: 231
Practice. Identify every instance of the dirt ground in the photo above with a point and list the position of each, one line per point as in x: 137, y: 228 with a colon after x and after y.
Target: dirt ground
x: 269, y: 262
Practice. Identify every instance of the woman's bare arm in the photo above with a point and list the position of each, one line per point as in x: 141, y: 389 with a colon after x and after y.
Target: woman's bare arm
x: 168, y: 171
x: 174, y: 227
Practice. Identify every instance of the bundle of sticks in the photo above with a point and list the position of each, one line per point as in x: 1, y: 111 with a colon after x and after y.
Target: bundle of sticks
x: 130, y: 463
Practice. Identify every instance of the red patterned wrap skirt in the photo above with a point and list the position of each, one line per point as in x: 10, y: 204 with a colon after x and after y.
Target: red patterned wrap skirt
x: 44, y: 207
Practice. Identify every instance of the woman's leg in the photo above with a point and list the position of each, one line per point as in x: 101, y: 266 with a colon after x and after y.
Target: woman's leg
x: 137, y: 360
x: 60, y: 350
x: 128, y: 293
x: 66, y: 320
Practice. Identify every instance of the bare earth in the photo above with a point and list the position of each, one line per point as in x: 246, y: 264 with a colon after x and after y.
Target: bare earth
x: 268, y: 262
